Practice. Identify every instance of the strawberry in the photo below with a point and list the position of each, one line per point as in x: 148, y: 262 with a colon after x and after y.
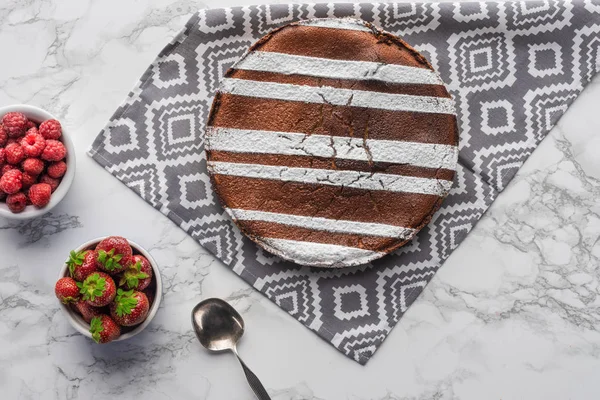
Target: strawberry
x: 114, y: 254
x: 87, y: 312
x: 139, y: 275
x: 129, y: 308
x: 82, y: 264
x: 66, y: 290
x: 150, y: 293
x: 104, y: 329
x: 98, y: 289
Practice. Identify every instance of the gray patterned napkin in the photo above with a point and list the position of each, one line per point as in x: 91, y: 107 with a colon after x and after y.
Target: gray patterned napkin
x: 513, y: 69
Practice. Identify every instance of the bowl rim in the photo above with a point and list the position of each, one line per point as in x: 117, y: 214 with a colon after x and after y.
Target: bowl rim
x: 31, y: 211
x: 83, y: 327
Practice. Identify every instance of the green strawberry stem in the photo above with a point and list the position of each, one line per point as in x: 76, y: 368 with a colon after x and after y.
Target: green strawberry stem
x: 131, y: 277
x: 75, y: 259
x: 96, y: 328
x: 110, y: 260
x: 93, y: 286
x: 125, y: 302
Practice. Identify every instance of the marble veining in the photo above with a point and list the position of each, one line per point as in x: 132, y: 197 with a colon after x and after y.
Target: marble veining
x: 514, y: 312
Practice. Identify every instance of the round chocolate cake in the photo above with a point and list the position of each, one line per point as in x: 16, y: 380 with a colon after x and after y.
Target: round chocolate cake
x: 331, y: 143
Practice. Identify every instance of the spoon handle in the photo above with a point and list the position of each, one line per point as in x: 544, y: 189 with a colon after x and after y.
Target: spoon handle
x: 257, y: 387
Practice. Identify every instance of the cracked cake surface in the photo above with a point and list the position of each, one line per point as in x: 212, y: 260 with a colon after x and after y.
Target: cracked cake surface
x: 331, y: 143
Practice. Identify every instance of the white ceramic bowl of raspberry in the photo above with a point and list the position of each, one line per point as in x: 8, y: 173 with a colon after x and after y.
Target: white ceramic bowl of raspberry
x: 38, y: 116
x: 83, y: 327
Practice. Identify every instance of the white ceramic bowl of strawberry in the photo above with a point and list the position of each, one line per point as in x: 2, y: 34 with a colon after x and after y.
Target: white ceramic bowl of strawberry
x: 83, y: 327
x: 38, y: 115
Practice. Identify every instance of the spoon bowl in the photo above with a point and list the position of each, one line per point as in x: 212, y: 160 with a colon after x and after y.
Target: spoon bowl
x: 218, y: 325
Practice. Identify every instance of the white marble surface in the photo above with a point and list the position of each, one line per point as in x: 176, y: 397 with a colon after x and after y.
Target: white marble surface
x: 513, y: 314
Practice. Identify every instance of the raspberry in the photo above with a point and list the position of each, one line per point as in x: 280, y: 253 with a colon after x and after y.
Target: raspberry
x: 34, y: 166
x: 14, y: 153
x: 16, y: 202
x: 11, y: 141
x: 28, y: 180
x: 39, y: 194
x: 15, y: 123
x: 6, y: 168
x: 3, y: 135
x: 33, y: 143
x: 50, y: 181
x: 54, y: 151
x: 50, y: 129
x: 2, y: 156
x: 11, y: 182
x: 31, y: 124
x: 57, y: 169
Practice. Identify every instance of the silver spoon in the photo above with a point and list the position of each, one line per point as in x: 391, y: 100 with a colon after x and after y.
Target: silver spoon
x: 218, y: 327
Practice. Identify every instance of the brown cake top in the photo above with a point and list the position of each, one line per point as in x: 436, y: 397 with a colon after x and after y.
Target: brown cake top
x: 331, y: 142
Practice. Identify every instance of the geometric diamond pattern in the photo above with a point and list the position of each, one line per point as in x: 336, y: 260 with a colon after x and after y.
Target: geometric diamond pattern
x: 512, y: 69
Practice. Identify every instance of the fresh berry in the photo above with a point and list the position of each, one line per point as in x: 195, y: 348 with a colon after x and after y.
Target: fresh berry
x: 3, y: 135
x: 129, y: 308
x: 86, y: 311
x: 98, y: 289
x: 57, y: 169
x: 66, y: 290
x: 33, y: 143
x: 11, y: 141
x: 34, y: 166
x: 114, y: 254
x: 15, y: 124
x: 16, y: 202
x: 14, y: 153
x: 50, y: 181
x: 28, y: 180
x: 2, y: 156
x: 11, y: 181
x: 6, y: 168
x: 82, y: 264
x: 39, y: 194
x: 31, y: 124
x: 104, y: 329
x: 54, y: 151
x: 150, y: 292
x: 50, y: 129
x: 139, y: 275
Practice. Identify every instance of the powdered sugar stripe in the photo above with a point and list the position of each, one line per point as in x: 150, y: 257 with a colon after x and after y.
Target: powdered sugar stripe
x: 338, y: 96
x: 323, y: 224
x: 337, y: 23
x: 281, y: 63
x: 318, y: 254
x: 353, y: 179
x: 300, y: 144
